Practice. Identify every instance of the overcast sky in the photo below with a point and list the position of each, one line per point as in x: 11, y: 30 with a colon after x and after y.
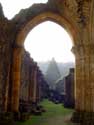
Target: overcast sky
x: 12, y: 7
x: 49, y: 40
x: 45, y: 41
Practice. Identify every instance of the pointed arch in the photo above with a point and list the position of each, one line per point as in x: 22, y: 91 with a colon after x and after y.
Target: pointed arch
x: 47, y: 16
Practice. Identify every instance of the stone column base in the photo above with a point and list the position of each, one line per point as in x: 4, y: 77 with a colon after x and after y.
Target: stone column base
x: 83, y: 117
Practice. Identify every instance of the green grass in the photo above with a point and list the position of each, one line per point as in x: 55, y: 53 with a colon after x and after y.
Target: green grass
x: 52, y: 111
x: 55, y: 109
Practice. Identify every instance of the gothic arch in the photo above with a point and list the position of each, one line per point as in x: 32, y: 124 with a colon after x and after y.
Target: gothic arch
x: 66, y: 24
x: 23, y: 31
x: 77, y: 17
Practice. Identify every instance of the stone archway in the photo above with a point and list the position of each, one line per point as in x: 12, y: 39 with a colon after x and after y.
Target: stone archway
x: 77, y: 17
x: 50, y: 16
x: 83, y: 99
x: 20, y: 41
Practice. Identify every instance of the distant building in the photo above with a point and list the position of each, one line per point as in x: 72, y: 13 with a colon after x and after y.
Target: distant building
x: 60, y: 86
x: 69, y: 89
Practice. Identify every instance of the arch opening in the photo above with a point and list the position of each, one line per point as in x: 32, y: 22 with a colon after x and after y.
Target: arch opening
x: 48, y: 40
x: 53, y: 41
x: 25, y: 29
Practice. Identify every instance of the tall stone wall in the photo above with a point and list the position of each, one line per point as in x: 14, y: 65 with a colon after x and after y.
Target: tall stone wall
x: 6, y: 49
x: 33, y: 84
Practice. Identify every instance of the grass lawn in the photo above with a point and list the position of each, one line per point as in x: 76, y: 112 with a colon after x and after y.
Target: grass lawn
x: 54, y: 115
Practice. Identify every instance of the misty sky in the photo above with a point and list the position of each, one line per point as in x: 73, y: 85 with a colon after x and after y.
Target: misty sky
x: 48, y: 40
x: 45, y: 41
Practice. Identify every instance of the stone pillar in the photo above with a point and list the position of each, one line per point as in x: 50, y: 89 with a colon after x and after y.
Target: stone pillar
x: 92, y: 76
x: 30, y: 82
x: 35, y: 84
x: 79, y: 77
x: 5, y: 57
x: 5, y: 104
x: 84, y: 84
x: 16, y: 70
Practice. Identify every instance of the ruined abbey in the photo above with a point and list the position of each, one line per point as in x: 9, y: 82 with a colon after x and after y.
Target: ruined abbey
x: 77, y: 18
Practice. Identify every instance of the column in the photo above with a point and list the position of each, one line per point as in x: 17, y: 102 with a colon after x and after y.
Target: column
x: 35, y: 85
x: 79, y: 77
x: 84, y: 84
x: 16, y: 70
x: 5, y: 105
x: 30, y: 81
x: 92, y: 76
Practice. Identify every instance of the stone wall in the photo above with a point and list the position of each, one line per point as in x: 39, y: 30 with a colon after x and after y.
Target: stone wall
x: 33, y: 84
x: 6, y: 49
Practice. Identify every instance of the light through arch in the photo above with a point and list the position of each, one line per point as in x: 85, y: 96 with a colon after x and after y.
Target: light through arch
x: 48, y: 40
